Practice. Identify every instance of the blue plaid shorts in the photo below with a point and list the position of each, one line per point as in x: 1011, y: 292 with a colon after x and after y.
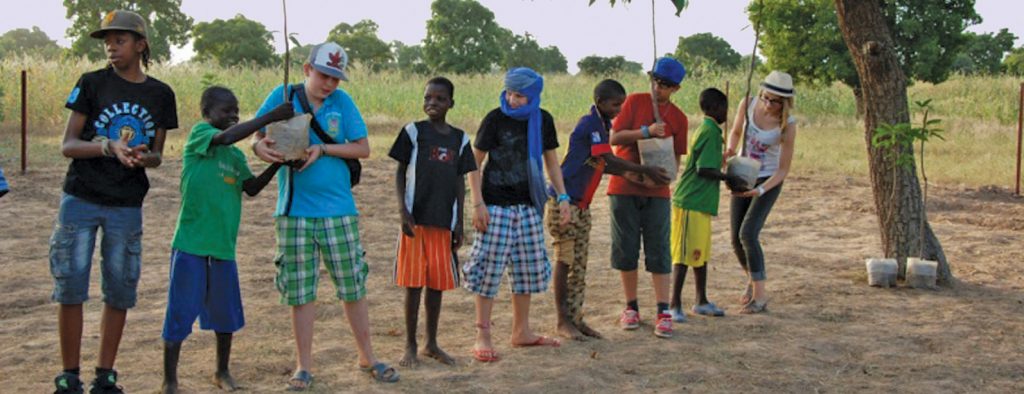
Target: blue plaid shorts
x: 514, y: 238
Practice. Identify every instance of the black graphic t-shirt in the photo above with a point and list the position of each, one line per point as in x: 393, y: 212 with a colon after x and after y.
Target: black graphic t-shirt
x: 117, y: 109
x: 435, y: 163
x: 506, y: 172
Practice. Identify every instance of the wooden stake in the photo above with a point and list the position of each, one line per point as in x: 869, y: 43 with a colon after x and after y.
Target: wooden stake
x: 287, y: 56
x: 1020, y: 132
x: 24, y: 121
x: 654, y: 85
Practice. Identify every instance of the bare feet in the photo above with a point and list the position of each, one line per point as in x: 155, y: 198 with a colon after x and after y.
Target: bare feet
x: 483, y: 338
x: 435, y: 352
x: 568, y: 330
x: 169, y: 387
x: 224, y: 381
x: 535, y: 340
x: 590, y: 332
x: 409, y: 359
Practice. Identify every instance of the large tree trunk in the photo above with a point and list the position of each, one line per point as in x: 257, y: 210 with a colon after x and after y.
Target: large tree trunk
x: 897, y: 193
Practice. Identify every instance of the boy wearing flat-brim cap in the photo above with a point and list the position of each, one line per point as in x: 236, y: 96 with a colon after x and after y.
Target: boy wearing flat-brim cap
x: 316, y: 215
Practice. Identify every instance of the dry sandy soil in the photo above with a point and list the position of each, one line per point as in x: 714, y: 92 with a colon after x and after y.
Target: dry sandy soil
x: 826, y: 331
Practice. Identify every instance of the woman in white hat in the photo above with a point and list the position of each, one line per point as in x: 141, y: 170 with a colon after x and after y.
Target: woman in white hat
x: 770, y: 135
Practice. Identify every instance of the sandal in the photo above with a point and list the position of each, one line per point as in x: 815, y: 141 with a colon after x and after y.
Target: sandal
x: 678, y: 315
x: 300, y: 376
x: 381, y: 372
x: 753, y: 307
x: 709, y: 309
x: 485, y: 355
x: 747, y: 295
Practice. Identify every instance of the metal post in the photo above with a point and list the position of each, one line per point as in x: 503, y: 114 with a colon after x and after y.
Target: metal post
x: 24, y: 121
x: 1020, y: 132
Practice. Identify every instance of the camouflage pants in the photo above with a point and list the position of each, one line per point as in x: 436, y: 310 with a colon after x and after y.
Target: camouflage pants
x: 570, y: 244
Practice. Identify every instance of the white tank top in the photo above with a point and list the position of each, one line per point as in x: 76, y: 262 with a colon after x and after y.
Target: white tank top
x: 764, y: 145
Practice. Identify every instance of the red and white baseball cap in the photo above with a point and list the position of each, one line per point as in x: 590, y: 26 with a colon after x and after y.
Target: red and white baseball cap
x: 329, y: 58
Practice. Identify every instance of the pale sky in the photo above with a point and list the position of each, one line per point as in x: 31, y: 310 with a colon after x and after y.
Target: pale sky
x: 576, y: 29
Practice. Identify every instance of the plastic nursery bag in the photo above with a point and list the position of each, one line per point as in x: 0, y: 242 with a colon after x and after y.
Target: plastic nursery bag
x: 291, y: 137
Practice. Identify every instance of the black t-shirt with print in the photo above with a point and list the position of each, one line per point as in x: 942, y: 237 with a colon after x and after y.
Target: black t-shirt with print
x: 506, y: 174
x: 117, y: 109
x: 432, y: 176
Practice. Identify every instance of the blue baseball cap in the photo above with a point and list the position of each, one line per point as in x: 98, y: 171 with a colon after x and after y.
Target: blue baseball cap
x: 669, y: 70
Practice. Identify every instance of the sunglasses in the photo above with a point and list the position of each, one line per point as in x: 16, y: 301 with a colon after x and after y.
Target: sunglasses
x: 776, y: 101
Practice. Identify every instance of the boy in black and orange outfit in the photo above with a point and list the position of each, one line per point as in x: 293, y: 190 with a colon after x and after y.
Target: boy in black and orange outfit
x: 433, y: 158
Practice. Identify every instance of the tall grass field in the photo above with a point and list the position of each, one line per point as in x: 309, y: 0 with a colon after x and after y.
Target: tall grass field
x: 979, y: 113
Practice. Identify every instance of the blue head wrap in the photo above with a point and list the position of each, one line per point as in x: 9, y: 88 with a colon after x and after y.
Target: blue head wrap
x: 530, y: 84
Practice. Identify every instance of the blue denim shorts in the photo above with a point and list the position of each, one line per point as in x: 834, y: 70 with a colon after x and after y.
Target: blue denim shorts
x: 72, y: 245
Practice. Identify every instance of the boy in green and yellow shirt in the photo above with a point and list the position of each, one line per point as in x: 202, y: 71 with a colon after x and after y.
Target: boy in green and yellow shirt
x: 695, y: 201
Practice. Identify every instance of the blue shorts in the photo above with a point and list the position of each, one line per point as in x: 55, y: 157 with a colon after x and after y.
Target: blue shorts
x: 3, y: 183
x: 72, y: 245
x: 202, y: 287
x: 514, y: 238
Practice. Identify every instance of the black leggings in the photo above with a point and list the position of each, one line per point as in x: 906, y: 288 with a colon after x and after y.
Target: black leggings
x: 747, y: 217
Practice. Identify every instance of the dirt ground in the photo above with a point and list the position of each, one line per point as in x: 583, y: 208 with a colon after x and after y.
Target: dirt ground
x: 826, y: 330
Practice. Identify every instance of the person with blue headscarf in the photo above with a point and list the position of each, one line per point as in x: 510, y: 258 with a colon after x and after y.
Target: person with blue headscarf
x: 518, y: 139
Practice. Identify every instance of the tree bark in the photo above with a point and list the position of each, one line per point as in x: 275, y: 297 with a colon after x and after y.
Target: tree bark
x: 896, y: 191
x: 858, y: 97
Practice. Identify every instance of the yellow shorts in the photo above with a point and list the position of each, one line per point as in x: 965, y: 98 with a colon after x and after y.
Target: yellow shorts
x: 691, y: 237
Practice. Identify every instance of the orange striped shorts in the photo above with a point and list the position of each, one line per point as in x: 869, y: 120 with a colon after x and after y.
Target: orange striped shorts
x: 426, y: 259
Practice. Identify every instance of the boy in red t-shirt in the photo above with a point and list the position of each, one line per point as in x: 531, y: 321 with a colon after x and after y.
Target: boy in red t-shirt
x: 641, y: 208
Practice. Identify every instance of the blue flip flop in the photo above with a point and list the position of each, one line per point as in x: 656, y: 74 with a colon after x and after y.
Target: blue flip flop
x: 709, y: 309
x: 302, y: 376
x: 381, y: 372
x: 678, y: 315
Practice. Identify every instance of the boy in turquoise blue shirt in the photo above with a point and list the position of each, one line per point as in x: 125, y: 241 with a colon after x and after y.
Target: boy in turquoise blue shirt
x: 316, y: 216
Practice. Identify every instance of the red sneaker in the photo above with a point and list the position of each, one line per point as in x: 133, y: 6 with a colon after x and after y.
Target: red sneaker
x: 664, y: 327
x: 630, y: 319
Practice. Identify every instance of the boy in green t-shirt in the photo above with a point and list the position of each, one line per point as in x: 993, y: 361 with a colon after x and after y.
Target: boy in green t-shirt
x: 695, y: 201
x: 204, y: 275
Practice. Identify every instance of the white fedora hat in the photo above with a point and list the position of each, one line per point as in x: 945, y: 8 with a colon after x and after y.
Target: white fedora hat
x: 779, y: 84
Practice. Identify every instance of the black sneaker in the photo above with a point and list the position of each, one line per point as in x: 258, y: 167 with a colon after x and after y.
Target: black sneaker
x: 68, y: 383
x: 105, y: 383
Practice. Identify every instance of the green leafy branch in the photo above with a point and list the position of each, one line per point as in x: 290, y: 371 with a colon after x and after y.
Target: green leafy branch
x: 898, y: 140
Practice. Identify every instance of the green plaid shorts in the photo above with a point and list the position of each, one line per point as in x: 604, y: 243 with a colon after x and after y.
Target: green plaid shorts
x: 301, y: 242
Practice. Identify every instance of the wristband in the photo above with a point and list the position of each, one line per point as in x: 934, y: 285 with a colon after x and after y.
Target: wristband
x: 105, y: 146
x: 760, y: 191
x: 323, y: 149
x: 563, y: 198
x: 646, y: 130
